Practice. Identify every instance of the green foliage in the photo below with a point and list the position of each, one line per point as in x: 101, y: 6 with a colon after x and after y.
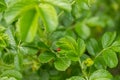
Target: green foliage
x: 28, y: 31
x: 59, y: 39
x: 81, y: 47
x: 12, y: 73
x: 101, y: 75
x: 18, y: 61
x: 65, y: 64
x: 2, y: 5
x: 108, y: 39
x: 82, y: 30
x: 110, y: 58
x: 93, y: 47
x: 6, y: 78
x: 63, y: 4
x: 46, y: 11
x: 71, y: 48
x: 8, y: 58
x: 17, y: 9
x: 46, y: 57
x: 67, y: 43
x: 76, y: 78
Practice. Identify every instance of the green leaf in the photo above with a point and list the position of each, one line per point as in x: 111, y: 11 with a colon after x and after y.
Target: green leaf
x: 110, y: 58
x: 28, y: 50
x: 92, y: 47
x: 8, y: 58
x: 116, y: 49
x: 81, y: 46
x: 63, y: 4
x: 67, y: 43
x: 3, y: 40
x: 82, y: 4
x: 103, y: 79
x: 99, y: 63
x: 49, y: 16
x: 76, y: 78
x: 17, y: 9
x: 8, y: 78
x: 12, y: 78
x: 2, y: 2
x: 72, y: 56
x: 100, y: 75
x: 4, y: 78
x: 2, y: 29
x: 11, y: 37
x: 62, y: 64
x: 117, y: 77
x: 12, y: 73
x: 42, y: 44
x: 90, y: 2
x: 18, y: 61
x: 94, y: 21
x: 0, y: 54
x: 27, y: 25
x: 46, y: 57
x: 76, y: 10
x: 116, y: 46
x: 108, y: 39
x: 82, y: 30
x: 3, y: 5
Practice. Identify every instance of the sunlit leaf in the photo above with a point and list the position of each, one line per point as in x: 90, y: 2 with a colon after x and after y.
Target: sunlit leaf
x: 100, y: 75
x: 17, y: 9
x: 67, y: 43
x: 63, y: 4
x: 3, y: 5
x: 27, y: 25
x: 110, y: 58
x: 81, y: 46
x: 82, y: 30
x: 49, y: 16
x: 12, y: 73
x: 108, y: 39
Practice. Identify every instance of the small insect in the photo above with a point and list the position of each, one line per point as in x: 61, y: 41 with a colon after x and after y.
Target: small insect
x: 58, y: 49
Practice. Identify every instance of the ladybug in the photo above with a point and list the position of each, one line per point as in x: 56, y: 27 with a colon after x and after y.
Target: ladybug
x: 58, y: 49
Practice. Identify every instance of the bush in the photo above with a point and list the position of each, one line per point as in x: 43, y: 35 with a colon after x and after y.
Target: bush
x: 59, y: 40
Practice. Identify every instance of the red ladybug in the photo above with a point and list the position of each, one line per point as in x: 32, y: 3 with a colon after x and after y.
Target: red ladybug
x: 58, y: 49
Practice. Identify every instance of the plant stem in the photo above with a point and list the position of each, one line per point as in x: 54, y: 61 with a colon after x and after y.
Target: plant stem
x: 102, y: 51
x: 83, y: 70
